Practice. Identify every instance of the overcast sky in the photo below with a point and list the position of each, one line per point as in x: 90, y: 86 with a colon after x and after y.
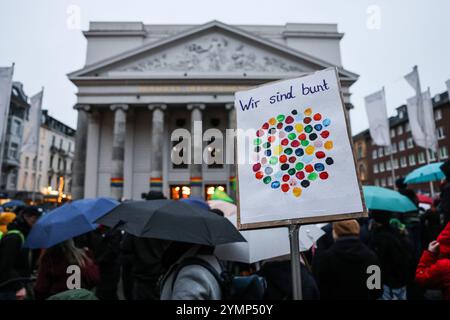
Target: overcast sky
x: 34, y: 34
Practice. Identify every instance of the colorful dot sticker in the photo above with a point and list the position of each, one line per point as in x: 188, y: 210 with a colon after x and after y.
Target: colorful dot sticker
x: 292, y: 151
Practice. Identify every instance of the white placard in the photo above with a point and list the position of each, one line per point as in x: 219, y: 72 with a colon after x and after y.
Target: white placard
x: 295, y: 159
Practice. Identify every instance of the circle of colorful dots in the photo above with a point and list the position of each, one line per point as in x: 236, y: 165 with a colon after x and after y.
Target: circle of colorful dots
x: 292, y: 151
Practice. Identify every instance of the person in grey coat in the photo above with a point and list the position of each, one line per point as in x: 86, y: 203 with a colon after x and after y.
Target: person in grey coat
x: 191, y: 281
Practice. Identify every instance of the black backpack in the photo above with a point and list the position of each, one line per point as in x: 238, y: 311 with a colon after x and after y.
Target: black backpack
x: 251, y: 287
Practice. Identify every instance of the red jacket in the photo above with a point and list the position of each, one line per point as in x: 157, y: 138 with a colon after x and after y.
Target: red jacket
x: 52, y: 275
x: 433, y: 271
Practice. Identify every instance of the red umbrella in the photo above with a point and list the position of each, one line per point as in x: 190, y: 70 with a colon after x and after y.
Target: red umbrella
x: 424, y: 199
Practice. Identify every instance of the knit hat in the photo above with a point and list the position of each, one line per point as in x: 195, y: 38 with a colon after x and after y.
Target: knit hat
x: 346, y: 228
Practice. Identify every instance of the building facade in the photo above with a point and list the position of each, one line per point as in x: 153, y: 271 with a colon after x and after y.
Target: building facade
x: 141, y: 82
x: 17, y: 115
x: 374, y: 162
x: 50, y: 172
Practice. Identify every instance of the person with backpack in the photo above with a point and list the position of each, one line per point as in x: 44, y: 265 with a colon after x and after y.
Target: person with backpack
x: 53, y: 269
x: 16, y: 261
x: 187, y: 278
x: 396, y: 256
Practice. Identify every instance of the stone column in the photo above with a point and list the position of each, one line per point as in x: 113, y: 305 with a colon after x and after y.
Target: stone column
x: 156, y: 164
x: 196, y: 175
x: 232, y: 167
x: 79, y: 159
x: 92, y: 147
x: 118, y: 153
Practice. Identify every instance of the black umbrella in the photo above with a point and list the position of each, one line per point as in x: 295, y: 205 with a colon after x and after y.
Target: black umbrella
x: 172, y: 220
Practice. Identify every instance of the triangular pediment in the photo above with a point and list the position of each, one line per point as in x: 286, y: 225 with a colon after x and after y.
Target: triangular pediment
x: 214, y: 49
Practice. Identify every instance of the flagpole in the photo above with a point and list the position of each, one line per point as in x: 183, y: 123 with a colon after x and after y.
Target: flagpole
x: 33, y: 196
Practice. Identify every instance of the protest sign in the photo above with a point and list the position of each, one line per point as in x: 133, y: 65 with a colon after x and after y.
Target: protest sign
x: 295, y: 158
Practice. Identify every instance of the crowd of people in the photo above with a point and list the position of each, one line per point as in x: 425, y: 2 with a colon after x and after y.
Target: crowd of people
x: 410, y: 251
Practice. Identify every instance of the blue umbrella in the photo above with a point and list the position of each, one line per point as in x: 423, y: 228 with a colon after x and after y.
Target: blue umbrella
x: 426, y: 173
x: 378, y: 198
x: 68, y: 221
x: 196, y: 201
x: 14, y: 203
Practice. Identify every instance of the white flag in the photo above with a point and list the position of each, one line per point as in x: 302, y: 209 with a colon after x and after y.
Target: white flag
x: 6, y: 75
x: 378, y: 120
x: 413, y: 79
x: 425, y: 136
x: 31, y: 132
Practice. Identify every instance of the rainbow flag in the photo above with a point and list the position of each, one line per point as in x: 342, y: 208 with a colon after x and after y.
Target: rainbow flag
x: 156, y: 182
x: 196, y: 181
x: 117, y: 182
x: 233, y: 183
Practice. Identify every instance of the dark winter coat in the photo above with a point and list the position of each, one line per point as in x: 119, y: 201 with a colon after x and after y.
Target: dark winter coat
x: 14, y: 259
x: 341, y: 271
x: 396, y: 256
x: 279, y: 281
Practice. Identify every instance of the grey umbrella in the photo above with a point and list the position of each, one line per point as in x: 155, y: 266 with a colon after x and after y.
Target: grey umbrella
x: 172, y: 220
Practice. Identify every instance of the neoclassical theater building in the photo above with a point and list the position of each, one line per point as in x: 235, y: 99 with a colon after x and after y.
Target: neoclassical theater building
x: 141, y: 82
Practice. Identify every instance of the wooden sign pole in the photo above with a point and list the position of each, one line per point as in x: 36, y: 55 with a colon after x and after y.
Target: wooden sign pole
x: 295, y: 262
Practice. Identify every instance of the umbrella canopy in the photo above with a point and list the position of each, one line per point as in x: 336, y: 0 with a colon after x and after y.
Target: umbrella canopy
x: 266, y: 243
x: 172, y: 220
x: 13, y: 203
x: 426, y: 173
x: 228, y: 209
x: 68, y: 221
x: 424, y: 199
x: 221, y: 195
x: 196, y: 201
x: 378, y: 198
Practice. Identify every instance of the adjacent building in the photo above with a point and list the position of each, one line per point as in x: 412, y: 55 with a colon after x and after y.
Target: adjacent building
x: 374, y: 162
x: 17, y: 116
x: 141, y: 82
x: 49, y: 174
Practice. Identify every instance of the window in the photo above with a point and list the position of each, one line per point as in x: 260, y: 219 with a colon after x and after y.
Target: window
x: 59, y: 163
x: 387, y: 150
x: 40, y: 165
x: 380, y: 152
x: 34, y: 163
x: 51, y: 162
x: 407, y: 127
x: 382, y: 167
x: 49, y: 181
x: 388, y: 165
x: 61, y: 143
x: 16, y: 128
x: 374, y: 154
x: 395, y: 163
x: 390, y: 182
x: 432, y: 155
x: 53, y: 141
x: 383, y: 182
x: 13, y: 150
x: 409, y: 143
x: 399, y: 130
x: 443, y: 152
x: 401, y: 146
x: 69, y: 147
x: 377, y: 182
x: 375, y: 168
x: 359, y: 151
x: 440, y: 133
x: 438, y: 114
x: 401, y: 114
x: 421, y: 158
x: 25, y: 178
x: 412, y: 160
x: 38, y: 186
x: 403, y: 163
x: 27, y: 162
x: 394, y: 147
x: 392, y: 133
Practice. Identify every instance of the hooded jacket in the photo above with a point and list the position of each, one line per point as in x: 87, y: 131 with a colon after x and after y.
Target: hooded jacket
x: 433, y: 271
x: 14, y: 260
x: 341, y: 271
